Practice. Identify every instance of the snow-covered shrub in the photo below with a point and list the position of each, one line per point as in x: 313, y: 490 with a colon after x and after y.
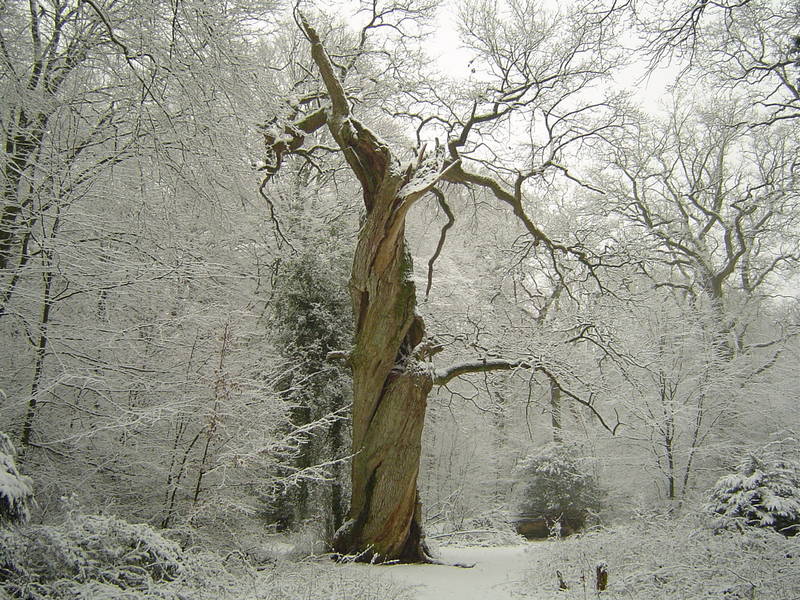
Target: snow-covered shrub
x: 93, y: 557
x: 555, y: 485
x: 761, y: 492
x: 670, y: 559
x: 100, y: 550
x: 493, y: 528
x: 16, y: 491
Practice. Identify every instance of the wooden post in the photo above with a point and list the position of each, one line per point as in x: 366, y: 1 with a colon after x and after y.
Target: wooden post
x: 562, y: 585
x: 601, y: 581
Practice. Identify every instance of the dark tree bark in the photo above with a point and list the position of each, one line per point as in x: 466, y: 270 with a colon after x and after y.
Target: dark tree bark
x: 555, y: 411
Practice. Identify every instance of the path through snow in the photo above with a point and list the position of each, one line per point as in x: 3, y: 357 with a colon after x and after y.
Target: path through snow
x: 497, y: 574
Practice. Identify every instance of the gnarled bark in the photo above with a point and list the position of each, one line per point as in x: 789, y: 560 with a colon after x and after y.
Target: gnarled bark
x: 390, y: 393
x: 390, y: 386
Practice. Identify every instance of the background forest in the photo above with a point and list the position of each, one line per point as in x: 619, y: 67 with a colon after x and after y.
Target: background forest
x: 174, y: 270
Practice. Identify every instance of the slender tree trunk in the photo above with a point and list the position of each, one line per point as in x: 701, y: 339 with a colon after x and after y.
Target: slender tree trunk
x: 174, y: 479
x: 178, y: 478
x: 21, y: 149
x: 221, y: 394
x: 41, y: 351
x: 671, y: 492
x: 501, y: 466
x: 696, y: 440
x: 555, y: 411
x: 43, y: 341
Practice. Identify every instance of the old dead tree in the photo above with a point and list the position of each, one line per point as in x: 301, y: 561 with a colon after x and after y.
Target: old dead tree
x: 390, y: 359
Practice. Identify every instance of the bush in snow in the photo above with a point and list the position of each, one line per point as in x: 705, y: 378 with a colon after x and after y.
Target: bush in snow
x: 555, y: 485
x: 105, y: 558
x: 761, y: 492
x: 16, y: 492
x: 492, y: 528
x: 88, y: 548
x: 669, y: 558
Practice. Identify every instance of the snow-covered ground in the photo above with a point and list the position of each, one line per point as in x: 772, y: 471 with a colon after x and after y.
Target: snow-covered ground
x: 497, y: 574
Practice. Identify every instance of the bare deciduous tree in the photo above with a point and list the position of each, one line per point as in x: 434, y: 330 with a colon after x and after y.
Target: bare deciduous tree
x: 712, y: 206
x: 749, y: 45
x: 717, y: 201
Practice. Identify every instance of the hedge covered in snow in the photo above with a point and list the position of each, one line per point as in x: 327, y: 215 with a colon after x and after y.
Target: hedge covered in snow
x: 105, y: 558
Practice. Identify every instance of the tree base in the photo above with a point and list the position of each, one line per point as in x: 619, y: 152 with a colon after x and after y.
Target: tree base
x: 348, y: 547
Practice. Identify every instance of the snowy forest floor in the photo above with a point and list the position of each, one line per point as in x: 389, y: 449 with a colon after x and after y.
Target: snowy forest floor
x: 658, y: 558
x: 498, y: 573
x: 96, y: 557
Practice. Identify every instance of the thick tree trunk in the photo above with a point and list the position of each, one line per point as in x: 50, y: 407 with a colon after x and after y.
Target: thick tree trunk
x: 389, y: 396
x: 391, y: 377
x: 390, y: 385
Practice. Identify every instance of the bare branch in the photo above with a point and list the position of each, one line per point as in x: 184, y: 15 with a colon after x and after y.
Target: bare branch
x: 339, y: 101
x: 442, y: 236
x: 443, y: 376
x: 272, y: 214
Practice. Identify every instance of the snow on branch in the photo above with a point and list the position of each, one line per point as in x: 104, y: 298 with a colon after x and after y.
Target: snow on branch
x: 442, y: 377
x: 16, y: 491
x: 429, y: 170
x: 339, y: 102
